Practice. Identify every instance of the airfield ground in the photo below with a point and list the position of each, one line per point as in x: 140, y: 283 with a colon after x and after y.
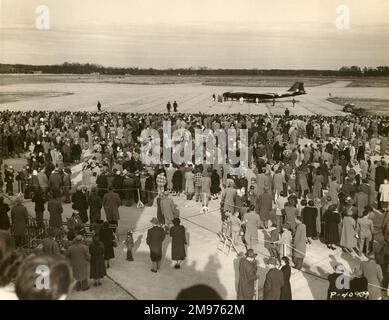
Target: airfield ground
x: 53, y: 92
x: 204, y: 264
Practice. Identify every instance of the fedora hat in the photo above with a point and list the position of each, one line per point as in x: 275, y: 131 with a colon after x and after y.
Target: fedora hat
x: 251, y: 254
x: 154, y: 221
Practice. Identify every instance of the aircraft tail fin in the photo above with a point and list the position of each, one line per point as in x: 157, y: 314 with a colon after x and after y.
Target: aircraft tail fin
x: 298, y: 86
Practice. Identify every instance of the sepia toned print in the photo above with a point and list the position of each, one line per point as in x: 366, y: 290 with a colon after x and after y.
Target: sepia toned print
x: 194, y: 150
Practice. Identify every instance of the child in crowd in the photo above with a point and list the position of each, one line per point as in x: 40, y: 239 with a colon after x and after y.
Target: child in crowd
x: 129, y: 243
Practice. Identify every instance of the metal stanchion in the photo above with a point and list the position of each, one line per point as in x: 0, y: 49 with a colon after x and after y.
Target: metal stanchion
x: 140, y: 203
x: 205, y: 209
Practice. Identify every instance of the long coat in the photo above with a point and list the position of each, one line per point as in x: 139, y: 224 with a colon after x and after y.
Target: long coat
x: 264, y: 205
x: 331, y: 233
x: 252, y: 225
x: 299, y: 241
x: 81, y: 204
x: 177, y: 181
x: 155, y: 237
x: 95, y: 205
x: 228, y: 198
x: 348, y: 239
x: 373, y: 273
x: 50, y: 247
x: 107, y: 238
x: 273, y: 283
x: 111, y: 203
x: 97, y: 265
x: 333, y: 191
x: 309, y: 215
x: 286, y: 291
x: 168, y: 210
x: 4, y: 220
x: 215, y: 183
x: 361, y: 201
x: 55, y: 210
x: 19, y: 217
x: 189, y: 182
x: 78, y: 254
x: 247, y: 277
x: 178, y: 242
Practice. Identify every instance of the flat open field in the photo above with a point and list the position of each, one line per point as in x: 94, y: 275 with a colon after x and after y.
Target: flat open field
x: 372, y: 105
x: 236, y: 81
x: 73, y: 92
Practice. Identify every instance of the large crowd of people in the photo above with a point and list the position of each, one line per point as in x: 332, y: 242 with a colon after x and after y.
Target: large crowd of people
x: 307, y: 178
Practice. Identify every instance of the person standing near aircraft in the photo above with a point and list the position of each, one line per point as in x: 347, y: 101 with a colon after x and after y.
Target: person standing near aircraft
x: 175, y: 106
x: 168, y: 107
x: 293, y: 102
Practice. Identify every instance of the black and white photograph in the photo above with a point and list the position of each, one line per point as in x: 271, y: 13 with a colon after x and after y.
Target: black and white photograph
x: 194, y: 150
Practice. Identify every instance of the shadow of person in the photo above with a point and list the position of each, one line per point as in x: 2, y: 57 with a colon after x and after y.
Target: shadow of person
x: 236, y: 262
x: 137, y: 243
x: 211, y: 268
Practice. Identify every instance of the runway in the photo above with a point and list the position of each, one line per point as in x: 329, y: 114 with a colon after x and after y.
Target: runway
x: 192, y: 97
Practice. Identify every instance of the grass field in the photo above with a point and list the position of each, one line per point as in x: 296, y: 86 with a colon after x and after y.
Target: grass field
x: 369, y: 82
x: 236, y: 81
x: 372, y: 105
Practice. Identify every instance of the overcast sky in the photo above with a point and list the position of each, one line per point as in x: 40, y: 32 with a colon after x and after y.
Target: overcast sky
x: 183, y: 33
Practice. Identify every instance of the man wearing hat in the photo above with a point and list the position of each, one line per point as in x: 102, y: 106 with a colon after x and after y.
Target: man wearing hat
x: 373, y: 273
x: 264, y: 205
x: 168, y: 208
x: 155, y: 237
x: 273, y: 284
x: 79, y: 257
x: 111, y: 204
x: 19, y: 218
x: 247, y: 276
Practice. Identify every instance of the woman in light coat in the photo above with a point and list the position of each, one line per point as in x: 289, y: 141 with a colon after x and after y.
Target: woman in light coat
x: 189, y: 185
x: 348, y: 239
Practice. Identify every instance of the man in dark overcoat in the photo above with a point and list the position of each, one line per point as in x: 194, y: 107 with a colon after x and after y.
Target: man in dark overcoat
x: 19, y: 218
x: 111, y: 204
x: 79, y: 257
x: 247, y: 276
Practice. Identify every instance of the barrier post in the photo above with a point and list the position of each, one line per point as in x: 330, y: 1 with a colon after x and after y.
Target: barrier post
x: 204, y: 209
x: 140, y: 203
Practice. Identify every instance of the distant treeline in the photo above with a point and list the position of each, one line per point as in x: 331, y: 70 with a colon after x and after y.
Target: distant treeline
x: 90, y: 68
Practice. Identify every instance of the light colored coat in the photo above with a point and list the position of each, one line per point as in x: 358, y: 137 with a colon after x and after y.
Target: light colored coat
x: 348, y: 239
x: 299, y: 242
